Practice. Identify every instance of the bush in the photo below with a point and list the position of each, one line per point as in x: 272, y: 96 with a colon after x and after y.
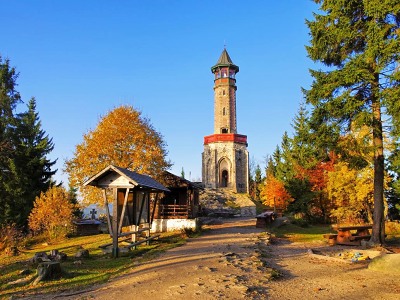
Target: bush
x: 52, y: 214
x: 12, y: 239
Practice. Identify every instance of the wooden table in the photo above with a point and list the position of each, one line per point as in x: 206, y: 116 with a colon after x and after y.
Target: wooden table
x: 349, y: 235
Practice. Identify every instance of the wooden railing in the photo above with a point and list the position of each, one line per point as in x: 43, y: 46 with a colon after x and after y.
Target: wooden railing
x: 175, y: 211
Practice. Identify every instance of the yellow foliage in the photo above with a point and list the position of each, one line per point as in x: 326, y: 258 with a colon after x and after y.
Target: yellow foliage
x: 351, y: 192
x: 52, y: 213
x: 122, y: 138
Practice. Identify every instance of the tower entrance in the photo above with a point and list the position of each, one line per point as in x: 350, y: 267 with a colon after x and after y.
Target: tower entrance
x: 224, y: 178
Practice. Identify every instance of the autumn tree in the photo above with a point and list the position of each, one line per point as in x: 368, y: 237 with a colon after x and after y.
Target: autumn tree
x: 358, y: 42
x: 351, y: 193
x: 272, y: 191
x: 52, y: 213
x: 123, y: 137
x: 274, y: 194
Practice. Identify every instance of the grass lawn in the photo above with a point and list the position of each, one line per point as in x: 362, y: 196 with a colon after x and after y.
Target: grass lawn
x: 295, y: 233
x: 98, y: 268
x: 314, y: 233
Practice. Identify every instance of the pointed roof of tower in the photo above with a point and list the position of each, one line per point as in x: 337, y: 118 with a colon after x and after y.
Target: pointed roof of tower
x: 225, y: 61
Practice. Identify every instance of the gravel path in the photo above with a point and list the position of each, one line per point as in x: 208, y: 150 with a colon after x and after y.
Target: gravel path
x: 233, y: 260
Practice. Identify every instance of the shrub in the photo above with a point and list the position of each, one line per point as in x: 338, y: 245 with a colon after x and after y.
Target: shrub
x: 52, y: 213
x: 11, y: 239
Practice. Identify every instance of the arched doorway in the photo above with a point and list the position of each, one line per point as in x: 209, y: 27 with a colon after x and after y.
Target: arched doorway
x: 224, y: 178
x: 224, y: 170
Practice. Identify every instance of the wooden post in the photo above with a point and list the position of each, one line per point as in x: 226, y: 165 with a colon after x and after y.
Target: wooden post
x: 115, y: 223
x: 108, y: 212
x: 154, y: 209
x: 134, y: 235
x: 121, y: 221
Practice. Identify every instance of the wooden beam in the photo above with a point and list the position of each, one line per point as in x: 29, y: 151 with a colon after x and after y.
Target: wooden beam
x: 108, y: 212
x: 154, y: 209
x: 115, y: 223
x: 141, y: 208
x: 143, y: 241
x: 121, y: 221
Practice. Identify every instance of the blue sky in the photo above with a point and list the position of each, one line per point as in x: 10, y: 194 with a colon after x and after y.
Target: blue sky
x: 80, y: 59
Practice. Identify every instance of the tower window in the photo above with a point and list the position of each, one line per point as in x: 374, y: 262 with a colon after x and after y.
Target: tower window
x: 223, y: 92
x: 224, y: 130
x: 223, y: 111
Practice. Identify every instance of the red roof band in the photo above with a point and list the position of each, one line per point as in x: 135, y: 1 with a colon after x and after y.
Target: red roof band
x: 226, y: 137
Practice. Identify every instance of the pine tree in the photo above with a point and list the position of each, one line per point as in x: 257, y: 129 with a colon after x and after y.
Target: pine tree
x: 9, y: 98
x: 358, y: 42
x: 284, y: 160
x: 304, y: 152
x: 30, y: 169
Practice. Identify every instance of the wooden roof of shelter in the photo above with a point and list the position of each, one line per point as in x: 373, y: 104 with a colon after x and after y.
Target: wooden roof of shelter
x: 113, y: 176
x: 172, y: 180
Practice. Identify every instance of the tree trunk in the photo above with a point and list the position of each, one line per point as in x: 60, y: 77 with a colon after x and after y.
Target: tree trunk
x: 378, y: 228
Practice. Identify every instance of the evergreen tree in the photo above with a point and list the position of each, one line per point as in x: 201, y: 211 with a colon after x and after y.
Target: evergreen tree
x: 257, y: 182
x: 284, y: 169
x: 30, y: 169
x: 358, y: 42
x: 304, y: 152
x: 9, y: 98
x: 73, y: 199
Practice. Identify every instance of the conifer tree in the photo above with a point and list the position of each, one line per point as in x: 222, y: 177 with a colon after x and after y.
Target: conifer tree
x: 358, y: 42
x: 9, y: 98
x: 304, y: 152
x: 30, y: 169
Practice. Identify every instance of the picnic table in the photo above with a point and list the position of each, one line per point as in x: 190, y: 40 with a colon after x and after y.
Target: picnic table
x: 349, y: 235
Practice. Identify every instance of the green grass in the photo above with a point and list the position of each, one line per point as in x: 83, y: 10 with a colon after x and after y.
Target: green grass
x: 295, y: 233
x: 98, y: 268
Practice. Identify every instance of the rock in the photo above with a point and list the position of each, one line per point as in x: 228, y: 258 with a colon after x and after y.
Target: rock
x: 82, y: 253
x: 48, y: 270
x: 387, y: 263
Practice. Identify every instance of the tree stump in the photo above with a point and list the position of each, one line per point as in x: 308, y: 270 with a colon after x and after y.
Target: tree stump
x: 48, y: 270
x: 82, y: 253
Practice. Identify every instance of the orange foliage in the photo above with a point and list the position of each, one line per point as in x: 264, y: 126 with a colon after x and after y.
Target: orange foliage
x: 122, y: 138
x: 274, y: 194
x: 52, y: 213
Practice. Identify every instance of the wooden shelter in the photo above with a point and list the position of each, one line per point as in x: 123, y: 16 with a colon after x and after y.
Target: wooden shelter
x: 182, y: 200
x: 131, y: 194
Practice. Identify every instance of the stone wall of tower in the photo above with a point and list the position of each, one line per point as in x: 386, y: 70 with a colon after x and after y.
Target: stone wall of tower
x: 225, y: 105
x: 230, y: 156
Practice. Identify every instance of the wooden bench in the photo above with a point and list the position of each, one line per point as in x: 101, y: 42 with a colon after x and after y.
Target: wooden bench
x: 359, y: 237
x: 345, y: 235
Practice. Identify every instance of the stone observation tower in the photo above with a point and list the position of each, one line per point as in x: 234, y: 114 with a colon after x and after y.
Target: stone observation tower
x: 225, y: 156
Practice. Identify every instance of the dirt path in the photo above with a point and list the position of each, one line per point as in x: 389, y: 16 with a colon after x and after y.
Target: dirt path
x: 233, y: 261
